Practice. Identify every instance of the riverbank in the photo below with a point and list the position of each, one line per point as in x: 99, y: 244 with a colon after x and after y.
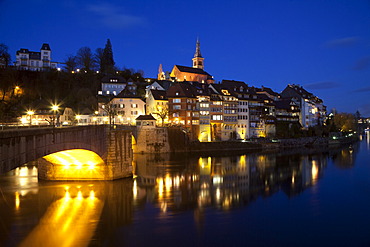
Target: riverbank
x: 262, y: 145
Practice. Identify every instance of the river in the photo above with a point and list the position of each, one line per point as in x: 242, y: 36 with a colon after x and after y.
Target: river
x: 291, y: 198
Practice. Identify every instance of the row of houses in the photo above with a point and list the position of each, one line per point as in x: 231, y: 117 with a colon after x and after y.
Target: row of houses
x: 188, y: 97
x: 232, y: 109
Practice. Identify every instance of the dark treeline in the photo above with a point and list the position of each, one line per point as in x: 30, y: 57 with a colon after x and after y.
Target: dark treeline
x: 22, y: 89
x: 75, y: 86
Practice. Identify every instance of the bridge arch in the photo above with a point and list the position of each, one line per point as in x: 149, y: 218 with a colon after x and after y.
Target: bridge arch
x: 114, y: 146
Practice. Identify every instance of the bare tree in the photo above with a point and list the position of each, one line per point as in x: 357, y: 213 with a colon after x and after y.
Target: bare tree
x: 109, y: 109
x: 70, y: 63
x: 162, y: 112
x: 4, y: 55
x: 99, y: 58
x: 85, y: 58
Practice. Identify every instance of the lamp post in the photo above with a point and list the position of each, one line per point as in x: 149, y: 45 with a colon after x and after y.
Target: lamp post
x: 78, y: 117
x: 55, y: 108
x: 30, y: 113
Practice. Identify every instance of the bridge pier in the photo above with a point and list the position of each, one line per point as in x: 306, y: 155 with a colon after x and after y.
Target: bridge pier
x: 114, y: 146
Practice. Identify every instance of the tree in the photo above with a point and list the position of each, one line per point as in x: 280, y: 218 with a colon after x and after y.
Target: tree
x: 162, y: 112
x: 345, y: 121
x: 99, y: 58
x: 70, y: 63
x: 109, y: 109
x: 85, y: 59
x: 4, y: 55
x: 108, y: 61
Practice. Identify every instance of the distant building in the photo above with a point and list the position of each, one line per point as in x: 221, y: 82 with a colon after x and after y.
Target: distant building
x: 195, y: 73
x: 44, y: 115
x: 123, y: 108
x: 312, y: 109
x: 34, y: 60
x: 157, y: 105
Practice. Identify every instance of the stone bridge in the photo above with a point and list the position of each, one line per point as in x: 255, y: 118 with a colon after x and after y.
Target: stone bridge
x: 114, y: 146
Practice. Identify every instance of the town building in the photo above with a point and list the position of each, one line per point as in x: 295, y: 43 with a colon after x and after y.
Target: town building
x: 34, y: 60
x: 312, y: 110
x: 183, y: 110
x: 195, y: 73
x: 121, y: 109
x: 45, y: 115
x: 157, y: 105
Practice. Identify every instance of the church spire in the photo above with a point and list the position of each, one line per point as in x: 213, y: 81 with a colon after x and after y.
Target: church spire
x: 197, y: 49
x: 198, y: 59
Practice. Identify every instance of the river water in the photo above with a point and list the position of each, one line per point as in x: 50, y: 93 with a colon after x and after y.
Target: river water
x: 292, y: 198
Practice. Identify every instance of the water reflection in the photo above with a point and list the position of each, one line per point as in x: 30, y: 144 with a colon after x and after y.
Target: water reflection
x: 98, y: 213
x: 70, y: 220
x: 223, y: 182
x: 35, y: 213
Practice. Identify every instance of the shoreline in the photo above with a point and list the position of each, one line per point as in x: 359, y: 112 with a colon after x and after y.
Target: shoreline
x: 263, y: 145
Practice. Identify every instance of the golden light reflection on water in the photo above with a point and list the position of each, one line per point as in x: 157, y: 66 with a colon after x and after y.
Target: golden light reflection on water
x: 314, y: 170
x: 69, y: 221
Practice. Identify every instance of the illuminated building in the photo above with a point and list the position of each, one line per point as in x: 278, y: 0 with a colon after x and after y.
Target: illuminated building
x: 229, y: 111
x: 312, y: 110
x: 195, y: 73
x: 113, y: 84
x: 123, y: 108
x: 157, y: 105
x: 35, y: 61
x: 183, y: 107
x: 44, y: 115
x: 287, y: 110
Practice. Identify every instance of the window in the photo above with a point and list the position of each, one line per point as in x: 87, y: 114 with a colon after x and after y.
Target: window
x: 134, y: 106
x: 188, y: 113
x: 216, y: 117
x: 133, y: 112
x: 195, y: 122
x: 176, y: 114
x: 176, y: 107
x: 225, y: 92
x: 204, y: 113
x: 121, y: 105
x: 176, y: 100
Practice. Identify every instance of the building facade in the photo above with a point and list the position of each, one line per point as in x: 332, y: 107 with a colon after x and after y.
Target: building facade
x: 35, y: 61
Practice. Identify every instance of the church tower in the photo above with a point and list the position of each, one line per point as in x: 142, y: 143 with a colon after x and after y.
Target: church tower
x: 198, y: 59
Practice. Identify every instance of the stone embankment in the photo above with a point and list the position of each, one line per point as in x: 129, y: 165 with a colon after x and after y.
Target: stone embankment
x: 303, y: 142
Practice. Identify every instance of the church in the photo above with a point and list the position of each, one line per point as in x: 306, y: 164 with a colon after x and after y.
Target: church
x: 184, y: 73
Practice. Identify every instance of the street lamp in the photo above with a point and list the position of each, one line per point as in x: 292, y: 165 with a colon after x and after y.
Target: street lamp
x: 55, y: 108
x: 78, y: 117
x: 30, y: 113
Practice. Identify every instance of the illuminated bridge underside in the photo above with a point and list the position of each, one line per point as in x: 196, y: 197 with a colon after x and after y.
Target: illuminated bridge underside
x: 75, y: 164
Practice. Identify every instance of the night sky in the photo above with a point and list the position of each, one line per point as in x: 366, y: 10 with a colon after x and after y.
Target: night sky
x: 322, y: 45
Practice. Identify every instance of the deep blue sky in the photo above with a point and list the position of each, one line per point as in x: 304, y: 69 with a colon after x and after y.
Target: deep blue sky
x: 321, y: 45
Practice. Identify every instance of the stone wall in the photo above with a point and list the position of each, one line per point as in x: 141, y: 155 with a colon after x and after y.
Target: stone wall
x: 152, y: 140
x: 18, y: 147
x: 119, y: 154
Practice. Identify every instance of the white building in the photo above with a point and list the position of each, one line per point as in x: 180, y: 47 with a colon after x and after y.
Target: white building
x: 35, y: 61
x: 312, y: 112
